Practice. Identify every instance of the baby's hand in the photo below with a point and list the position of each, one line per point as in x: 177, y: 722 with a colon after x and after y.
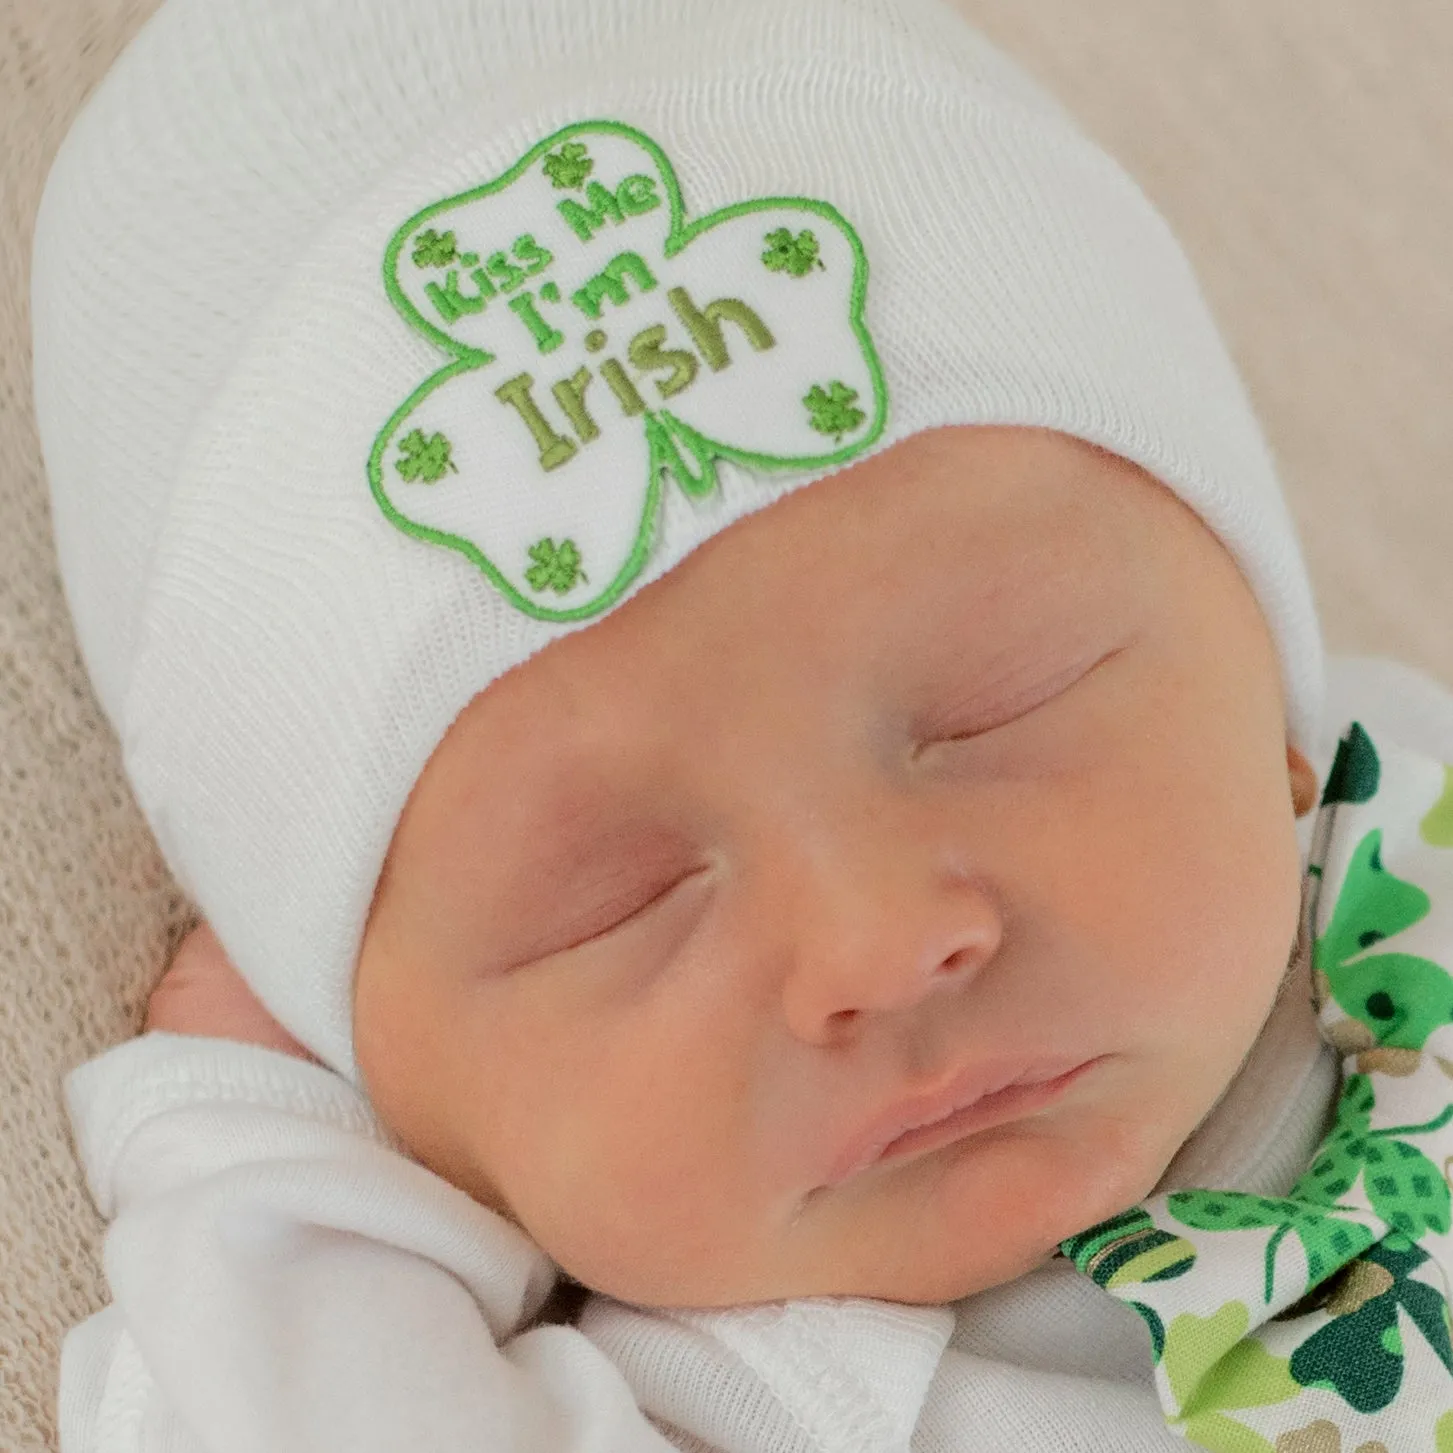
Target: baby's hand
x: 201, y: 993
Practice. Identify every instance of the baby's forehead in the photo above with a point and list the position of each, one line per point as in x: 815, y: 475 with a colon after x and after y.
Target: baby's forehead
x: 969, y: 517
x: 960, y: 552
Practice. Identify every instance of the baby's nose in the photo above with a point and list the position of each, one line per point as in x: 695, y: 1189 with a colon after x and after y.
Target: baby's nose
x: 864, y: 948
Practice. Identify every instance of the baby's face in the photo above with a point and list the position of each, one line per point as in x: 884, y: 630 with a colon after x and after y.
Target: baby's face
x: 957, y: 779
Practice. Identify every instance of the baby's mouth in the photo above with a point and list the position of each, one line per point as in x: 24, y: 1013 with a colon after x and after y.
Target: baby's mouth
x: 977, y: 1100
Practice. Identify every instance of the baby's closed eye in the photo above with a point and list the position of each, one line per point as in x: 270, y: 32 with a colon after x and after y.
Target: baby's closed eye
x: 583, y: 914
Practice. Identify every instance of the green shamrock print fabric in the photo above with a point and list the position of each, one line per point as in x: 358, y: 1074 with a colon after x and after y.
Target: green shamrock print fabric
x: 1319, y: 1321
x: 598, y: 344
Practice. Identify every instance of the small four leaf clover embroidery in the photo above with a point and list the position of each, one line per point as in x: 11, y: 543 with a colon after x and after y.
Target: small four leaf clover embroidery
x: 435, y: 249
x: 425, y: 458
x: 556, y: 567
x: 569, y: 166
x: 794, y: 255
x: 833, y: 411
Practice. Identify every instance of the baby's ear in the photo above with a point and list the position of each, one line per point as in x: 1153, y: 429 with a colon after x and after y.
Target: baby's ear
x: 1303, y: 779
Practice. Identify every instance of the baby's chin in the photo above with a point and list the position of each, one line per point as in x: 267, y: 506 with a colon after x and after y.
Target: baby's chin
x: 992, y: 1209
x: 937, y: 1229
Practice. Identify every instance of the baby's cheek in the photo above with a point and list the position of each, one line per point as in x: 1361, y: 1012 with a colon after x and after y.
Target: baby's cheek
x: 1207, y: 972
x: 657, y: 1239
x: 628, y: 1198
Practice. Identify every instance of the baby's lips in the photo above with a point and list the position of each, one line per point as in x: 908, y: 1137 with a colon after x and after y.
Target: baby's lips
x: 978, y: 1098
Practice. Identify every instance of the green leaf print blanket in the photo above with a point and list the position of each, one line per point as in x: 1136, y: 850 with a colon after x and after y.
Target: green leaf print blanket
x: 1319, y: 1323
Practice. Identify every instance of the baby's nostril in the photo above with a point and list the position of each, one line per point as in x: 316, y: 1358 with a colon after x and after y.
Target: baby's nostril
x: 957, y: 962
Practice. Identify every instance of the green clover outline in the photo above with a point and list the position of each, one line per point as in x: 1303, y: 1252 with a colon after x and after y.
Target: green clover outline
x: 465, y: 359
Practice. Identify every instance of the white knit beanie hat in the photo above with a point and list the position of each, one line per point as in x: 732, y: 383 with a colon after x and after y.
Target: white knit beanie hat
x: 377, y: 345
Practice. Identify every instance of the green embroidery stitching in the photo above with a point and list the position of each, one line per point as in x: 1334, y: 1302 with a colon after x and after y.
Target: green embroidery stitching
x: 705, y: 326
x: 620, y: 383
x: 424, y: 459
x: 497, y: 275
x: 667, y: 434
x: 610, y: 282
x: 637, y: 195
x: 674, y: 446
x: 452, y: 303
x: 503, y: 273
x: 547, y: 338
x: 570, y: 395
x: 431, y: 249
x: 556, y: 567
x: 646, y: 353
x: 569, y: 166
x: 794, y: 255
x: 833, y: 412
x: 554, y: 450
x: 535, y: 257
x: 584, y: 220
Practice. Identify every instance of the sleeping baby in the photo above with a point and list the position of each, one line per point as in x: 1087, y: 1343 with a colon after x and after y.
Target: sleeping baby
x: 839, y: 888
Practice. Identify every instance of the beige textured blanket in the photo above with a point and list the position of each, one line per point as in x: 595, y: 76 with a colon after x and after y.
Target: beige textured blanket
x: 1304, y: 153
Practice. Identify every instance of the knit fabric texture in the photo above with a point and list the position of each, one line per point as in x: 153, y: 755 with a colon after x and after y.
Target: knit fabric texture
x: 229, y: 468
x: 88, y: 911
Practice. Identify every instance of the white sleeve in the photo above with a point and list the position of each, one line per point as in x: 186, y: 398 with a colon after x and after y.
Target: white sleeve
x: 284, y: 1281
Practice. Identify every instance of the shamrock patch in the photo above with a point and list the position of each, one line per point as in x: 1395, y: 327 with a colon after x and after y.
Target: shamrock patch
x: 598, y: 346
